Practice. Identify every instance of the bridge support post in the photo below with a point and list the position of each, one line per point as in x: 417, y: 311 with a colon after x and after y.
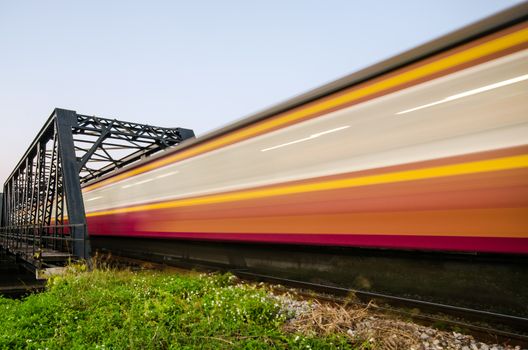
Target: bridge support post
x: 66, y: 120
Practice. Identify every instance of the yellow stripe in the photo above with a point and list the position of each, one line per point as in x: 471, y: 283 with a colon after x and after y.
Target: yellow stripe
x: 485, y: 49
x: 497, y: 164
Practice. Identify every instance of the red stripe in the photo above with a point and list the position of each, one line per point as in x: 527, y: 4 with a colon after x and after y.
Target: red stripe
x: 120, y: 226
x: 468, y: 244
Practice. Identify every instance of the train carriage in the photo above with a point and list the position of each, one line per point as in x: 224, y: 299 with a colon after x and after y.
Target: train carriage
x: 432, y: 155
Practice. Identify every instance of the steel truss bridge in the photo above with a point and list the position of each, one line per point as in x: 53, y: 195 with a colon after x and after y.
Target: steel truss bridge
x: 42, y: 211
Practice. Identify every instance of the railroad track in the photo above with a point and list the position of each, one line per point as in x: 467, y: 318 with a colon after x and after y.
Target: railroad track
x: 429, y: 312
x: 483, y: 325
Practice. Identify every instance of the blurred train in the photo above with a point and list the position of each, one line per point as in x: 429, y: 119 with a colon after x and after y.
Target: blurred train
x: 425, y: 151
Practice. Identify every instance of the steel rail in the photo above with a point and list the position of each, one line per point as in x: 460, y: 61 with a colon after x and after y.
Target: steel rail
x: 464, y: 313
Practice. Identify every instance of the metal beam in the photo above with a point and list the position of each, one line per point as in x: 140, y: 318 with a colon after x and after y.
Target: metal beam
x: 66, y: 120
x: 1, y: 209
x: 70, y: 150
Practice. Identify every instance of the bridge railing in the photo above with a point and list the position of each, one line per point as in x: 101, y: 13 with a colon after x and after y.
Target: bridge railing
x: 41, y: 245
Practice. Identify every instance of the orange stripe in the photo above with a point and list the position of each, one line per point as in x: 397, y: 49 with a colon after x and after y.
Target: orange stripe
x: 386, y: 198
x: 485, y: 190
x: 502, y: 222
x: 483, y: 166
x: 491, y: 188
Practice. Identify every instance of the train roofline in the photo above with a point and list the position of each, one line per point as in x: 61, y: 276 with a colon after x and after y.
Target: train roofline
x: 468, y: 33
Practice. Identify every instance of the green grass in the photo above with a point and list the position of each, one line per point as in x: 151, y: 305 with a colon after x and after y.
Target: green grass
x: 108, y: 309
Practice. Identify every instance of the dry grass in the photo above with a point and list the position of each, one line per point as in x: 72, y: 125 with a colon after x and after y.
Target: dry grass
x: 360, y: 324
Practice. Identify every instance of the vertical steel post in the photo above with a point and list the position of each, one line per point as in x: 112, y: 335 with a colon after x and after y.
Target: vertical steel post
x: 65, y: 120
x: 1, y: 209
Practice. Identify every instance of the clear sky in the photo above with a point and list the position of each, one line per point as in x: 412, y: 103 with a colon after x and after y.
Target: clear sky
x: 194, y: 64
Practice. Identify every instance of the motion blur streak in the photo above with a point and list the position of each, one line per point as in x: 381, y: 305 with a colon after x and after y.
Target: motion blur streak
x: 311, y: 137
x: 347, y: 170
x: 469, y: 93
x: 419, y: 174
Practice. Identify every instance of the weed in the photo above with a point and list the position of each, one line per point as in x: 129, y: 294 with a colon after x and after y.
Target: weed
x: 115, y: 309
